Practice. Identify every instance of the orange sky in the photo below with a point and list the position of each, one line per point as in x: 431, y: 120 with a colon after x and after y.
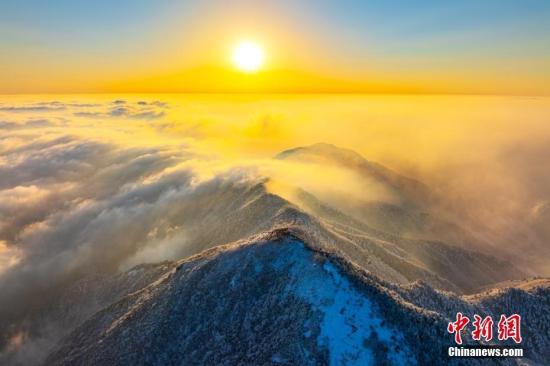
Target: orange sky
x: 494, y: 47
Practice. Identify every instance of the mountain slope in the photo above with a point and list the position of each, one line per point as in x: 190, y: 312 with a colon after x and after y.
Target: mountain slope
x: 273, y: 300
x: 410, y: 192
x: 408, y: 208
x: 222, y: 211
x: 529, y: 298
x: 403, y: 260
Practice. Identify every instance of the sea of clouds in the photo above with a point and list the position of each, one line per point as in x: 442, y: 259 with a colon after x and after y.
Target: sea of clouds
x: 101, y: 184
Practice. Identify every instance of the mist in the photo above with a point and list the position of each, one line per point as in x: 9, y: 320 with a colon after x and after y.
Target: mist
x: 102, y: 183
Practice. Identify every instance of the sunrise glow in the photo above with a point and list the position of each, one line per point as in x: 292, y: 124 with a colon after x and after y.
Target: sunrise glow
x: 248, y: 56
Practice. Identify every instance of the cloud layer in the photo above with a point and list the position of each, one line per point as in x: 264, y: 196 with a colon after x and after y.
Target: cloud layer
x: 101, y: 184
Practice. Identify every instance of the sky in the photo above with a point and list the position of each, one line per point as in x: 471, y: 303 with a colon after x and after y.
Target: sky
x: 470, y: 47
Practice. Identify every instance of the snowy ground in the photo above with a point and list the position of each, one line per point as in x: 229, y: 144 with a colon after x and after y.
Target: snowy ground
x: 351, y: 328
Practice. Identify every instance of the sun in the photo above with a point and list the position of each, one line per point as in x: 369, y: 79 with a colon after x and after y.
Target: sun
x: 248, y: 56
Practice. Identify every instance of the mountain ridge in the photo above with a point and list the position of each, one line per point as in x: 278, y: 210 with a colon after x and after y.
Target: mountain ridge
x: 272, y: 275
x: 226, y: 210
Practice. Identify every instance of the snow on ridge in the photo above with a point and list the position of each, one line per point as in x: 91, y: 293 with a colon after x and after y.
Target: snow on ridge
x: 351, y: 327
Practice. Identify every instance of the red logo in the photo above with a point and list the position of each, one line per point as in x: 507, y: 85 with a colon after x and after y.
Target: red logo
x: 508, y: 328
x: 482, y: 328
x: 457, y: 326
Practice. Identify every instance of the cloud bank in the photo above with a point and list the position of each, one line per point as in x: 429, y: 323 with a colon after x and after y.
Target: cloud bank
x: 102, y: 184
